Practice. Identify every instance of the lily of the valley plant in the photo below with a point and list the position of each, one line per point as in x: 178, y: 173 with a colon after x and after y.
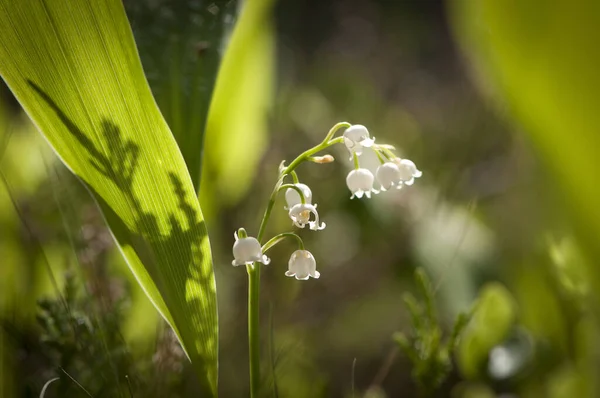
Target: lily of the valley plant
x: 393, y: 172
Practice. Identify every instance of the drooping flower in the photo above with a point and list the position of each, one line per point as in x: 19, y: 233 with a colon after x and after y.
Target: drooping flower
x: 360, y: 182
x: 292, y: 197
x: 356, y: 137
x: 300, y: 215
x: 302, y: 265
x: 408, y: 171
x: 388, y: 175
x: 247, y: 251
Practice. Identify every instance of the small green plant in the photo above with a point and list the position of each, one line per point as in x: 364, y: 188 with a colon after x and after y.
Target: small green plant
x: 424, y: 346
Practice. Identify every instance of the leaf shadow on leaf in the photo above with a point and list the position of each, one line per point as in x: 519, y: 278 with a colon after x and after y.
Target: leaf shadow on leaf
x: 174, y: 261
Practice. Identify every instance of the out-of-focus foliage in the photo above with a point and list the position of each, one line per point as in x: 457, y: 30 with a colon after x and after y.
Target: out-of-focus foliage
x: 74, y: 67
x: 491, y: 324
x: 237, y: 123
x: 541, y: 60
x: 425, y: 346
x: 79, y: 344
x: 181, y: 44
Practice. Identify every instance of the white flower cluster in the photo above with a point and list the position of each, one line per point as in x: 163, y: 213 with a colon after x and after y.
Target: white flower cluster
x: 393, y: 172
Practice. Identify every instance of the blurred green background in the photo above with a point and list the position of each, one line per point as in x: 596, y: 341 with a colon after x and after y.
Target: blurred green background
x: 496, y: 102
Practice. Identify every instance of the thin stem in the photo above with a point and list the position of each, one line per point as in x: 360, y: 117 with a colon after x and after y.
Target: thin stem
x: 278, y: 238
x: 295, y: 177
x: 334, y: 129
x: 254, y: 301
x: 381, y: 159
x: 295, y: 188
x: 308, y: 153
x: 387, y: 152
x: 265, y: 219
x: 253, y: 328
x: 355, y: 159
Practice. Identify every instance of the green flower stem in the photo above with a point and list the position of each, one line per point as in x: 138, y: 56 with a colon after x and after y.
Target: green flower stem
x: 305, y: 155
x: 254, y: 301
x: 267, y: 215
x: 334, y: 129
x: 295, y: 188
x: 381, y: 159
x: 254, y: 327
x: 387, y: 152
x: 254, y: 269
x: 295, y: 177
x: 278, y: 238
x: 355, y: 159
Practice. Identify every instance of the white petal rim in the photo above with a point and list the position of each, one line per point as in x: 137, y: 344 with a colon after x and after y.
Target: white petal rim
x: 367, y: 142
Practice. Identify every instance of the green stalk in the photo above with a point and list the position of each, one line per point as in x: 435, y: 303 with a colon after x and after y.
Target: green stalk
x: 355, y: 159
x: 305, y: 155
x: 278, y: 238
x: 254, y: 328
x: 381, y: 159
x: 295, y: 177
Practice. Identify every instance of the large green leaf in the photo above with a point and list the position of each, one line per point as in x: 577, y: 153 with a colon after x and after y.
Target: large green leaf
x: 74, y: 67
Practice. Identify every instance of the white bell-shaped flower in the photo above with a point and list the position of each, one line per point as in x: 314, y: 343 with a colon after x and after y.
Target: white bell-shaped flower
x: 292, y: 197
x: 302, y: 265
x: 408, y: 171
x: 360, y: 182
x: 356, y: 137
x: 388, y: 175
x: 247, y: 251
x: 300, y: 215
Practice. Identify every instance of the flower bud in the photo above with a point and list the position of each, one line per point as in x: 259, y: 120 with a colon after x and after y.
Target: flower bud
x: 322, y: 159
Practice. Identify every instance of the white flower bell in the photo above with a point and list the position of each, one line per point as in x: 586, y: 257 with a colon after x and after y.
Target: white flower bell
x: 408, y: 171
x: 360, y: 182
x: 247, y: 250
x: 300, y: 215
x: 356, y: 137
x: 292, y: 197
x: 389, y: 175
x: 302, y: 265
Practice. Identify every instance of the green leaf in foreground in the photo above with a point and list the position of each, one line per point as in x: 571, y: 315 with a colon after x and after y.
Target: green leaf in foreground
x: 74, y: 67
